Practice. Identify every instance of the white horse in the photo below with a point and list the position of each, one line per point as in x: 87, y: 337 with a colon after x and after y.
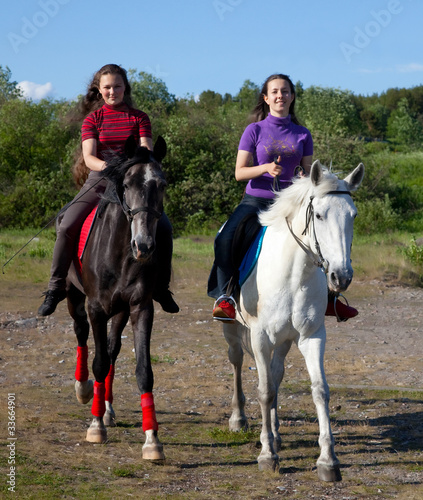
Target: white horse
x: 305, y: 249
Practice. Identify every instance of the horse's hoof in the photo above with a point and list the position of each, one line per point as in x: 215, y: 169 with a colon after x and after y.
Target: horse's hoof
x: 96, y: 434
x: 109, y: 419
x: 268, y: 464
x: 153, y: 452
x: 239, y: 424
x: 84, y: 391
x: 329, y: 474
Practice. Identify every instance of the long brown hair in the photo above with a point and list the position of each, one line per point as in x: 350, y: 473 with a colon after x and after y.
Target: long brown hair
x: 92, y: 101
x: 262, y: 109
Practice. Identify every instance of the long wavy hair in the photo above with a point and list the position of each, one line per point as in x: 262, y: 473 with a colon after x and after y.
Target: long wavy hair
x: 92, y: 101
x: 262, y: 109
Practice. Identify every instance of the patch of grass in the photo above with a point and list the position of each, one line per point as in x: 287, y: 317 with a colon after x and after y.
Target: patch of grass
x: 232, y: 438
x: 381, y: 257
x: 162, y: 359
x: 128, y: 471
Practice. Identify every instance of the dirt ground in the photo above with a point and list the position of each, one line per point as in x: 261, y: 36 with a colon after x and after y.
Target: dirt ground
x: 374, y: 366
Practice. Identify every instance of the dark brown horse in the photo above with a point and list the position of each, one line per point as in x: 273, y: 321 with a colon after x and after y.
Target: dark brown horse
x: 119, y: 269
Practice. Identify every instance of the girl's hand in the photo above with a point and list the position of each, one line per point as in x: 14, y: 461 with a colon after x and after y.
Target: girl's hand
x: 274, y: 169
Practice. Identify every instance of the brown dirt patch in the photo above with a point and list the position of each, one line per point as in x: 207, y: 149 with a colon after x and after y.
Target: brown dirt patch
x: 374, y: 367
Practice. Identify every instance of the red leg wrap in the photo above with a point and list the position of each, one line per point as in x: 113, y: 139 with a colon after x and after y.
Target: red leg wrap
x: 109, y: 384
x: 149, y: 421
x: 81, y: 372
x: 99, y: 406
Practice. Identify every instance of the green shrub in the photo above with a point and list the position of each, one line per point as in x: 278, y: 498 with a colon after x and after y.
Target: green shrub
x: 376, y: 216
x: 413, y: 253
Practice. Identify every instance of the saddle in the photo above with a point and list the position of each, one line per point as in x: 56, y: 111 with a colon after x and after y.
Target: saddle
x: 246, y: 245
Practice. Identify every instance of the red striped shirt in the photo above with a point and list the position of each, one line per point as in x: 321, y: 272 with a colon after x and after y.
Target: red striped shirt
x: 112, y: 125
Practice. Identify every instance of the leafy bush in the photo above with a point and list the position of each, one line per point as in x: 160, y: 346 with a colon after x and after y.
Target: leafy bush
x: 376, y: 216
x: 413, y: 253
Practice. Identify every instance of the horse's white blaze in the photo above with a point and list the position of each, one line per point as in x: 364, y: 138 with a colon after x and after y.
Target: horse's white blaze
x: 334, y: 231
x: 142, y: 234
x: 285, y: 298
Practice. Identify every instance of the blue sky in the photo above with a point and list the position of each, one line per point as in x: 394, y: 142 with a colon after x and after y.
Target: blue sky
x: 366, y: 46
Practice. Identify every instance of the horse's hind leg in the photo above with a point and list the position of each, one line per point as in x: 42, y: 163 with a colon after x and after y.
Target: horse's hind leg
x: 238, y: 420
x: 313, y: 351
x: 84, y: 387
x: 278, y: 370
x: 114, y: 344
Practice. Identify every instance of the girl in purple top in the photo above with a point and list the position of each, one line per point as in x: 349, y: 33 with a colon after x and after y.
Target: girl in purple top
x: 272, y: 150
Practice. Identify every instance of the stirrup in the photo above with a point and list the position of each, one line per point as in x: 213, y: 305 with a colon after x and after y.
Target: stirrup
x: 338, y: 318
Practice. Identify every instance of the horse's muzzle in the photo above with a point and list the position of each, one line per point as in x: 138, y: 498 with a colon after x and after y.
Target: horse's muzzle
x: 339, y: 282
x: 143, y: 250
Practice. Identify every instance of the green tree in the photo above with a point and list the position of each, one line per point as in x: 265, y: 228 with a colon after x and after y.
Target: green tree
x: 8, y: 89
x: 247, y: 96
x: 403, y: 126
x: 35, y: 157
x: 150, y: 94
x: 332, y: 117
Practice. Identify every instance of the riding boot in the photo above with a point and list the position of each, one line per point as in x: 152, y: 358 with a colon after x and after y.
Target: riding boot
x: 342, y: 311
x: 52, y: 298
x: 164, y: 249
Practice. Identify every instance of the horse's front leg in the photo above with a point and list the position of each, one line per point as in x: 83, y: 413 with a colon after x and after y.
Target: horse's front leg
x: 278, y: 370
x: 142, y: 323
x: 84, y: 388
x: 313, y: 350
x: 97, y: 432
x: 268, y: 458
x: 238, y: 420
x: 114, y: 343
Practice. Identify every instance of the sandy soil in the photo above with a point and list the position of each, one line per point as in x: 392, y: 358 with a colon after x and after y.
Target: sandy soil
x: 379, y: 431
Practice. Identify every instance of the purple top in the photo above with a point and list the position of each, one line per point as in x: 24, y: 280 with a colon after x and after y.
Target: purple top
x: 270, y: 138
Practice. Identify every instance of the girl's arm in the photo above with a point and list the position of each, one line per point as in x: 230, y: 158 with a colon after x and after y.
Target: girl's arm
x: 306, y: 162
x: 146, y: 142
x: 244, y: 172
x: 89, y: 151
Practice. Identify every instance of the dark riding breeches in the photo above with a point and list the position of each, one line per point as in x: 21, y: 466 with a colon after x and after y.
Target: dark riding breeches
x: 224, y: 239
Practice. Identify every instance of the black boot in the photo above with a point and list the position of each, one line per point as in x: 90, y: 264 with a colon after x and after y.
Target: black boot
x: 53, y: 297
x: 164, y: 241
x: 165, y: 299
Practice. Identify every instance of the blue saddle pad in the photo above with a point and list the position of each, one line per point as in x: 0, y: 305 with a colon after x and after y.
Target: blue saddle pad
x: 250, y: 259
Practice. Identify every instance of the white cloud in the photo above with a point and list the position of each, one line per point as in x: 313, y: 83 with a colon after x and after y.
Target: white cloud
x: 35, y: 91
x: 410, y: 68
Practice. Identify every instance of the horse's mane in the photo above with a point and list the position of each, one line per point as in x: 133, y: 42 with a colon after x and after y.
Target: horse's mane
x: 118, y: 164
x: 289, y: 201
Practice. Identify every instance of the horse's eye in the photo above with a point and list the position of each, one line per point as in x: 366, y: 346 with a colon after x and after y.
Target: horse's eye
x: 319, y: 217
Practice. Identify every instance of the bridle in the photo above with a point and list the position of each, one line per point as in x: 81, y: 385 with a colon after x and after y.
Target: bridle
x: 132, y: 212
x: 320, y: 261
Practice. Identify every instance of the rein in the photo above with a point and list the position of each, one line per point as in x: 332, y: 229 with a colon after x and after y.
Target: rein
x: 321, y: 261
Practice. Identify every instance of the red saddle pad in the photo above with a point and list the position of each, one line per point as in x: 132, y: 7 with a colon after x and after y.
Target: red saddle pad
x: 83, y: 238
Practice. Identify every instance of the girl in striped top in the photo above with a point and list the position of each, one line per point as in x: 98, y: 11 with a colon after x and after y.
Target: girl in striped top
x: 109, y: 119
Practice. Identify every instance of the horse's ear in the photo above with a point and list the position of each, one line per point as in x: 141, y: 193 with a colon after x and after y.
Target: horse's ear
x: 160, y: 149
x: 316, y: 173
x: 130, y: 146
x: 355, y: 178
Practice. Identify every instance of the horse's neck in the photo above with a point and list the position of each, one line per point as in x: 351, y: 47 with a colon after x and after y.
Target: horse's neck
x: 284, y: 256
